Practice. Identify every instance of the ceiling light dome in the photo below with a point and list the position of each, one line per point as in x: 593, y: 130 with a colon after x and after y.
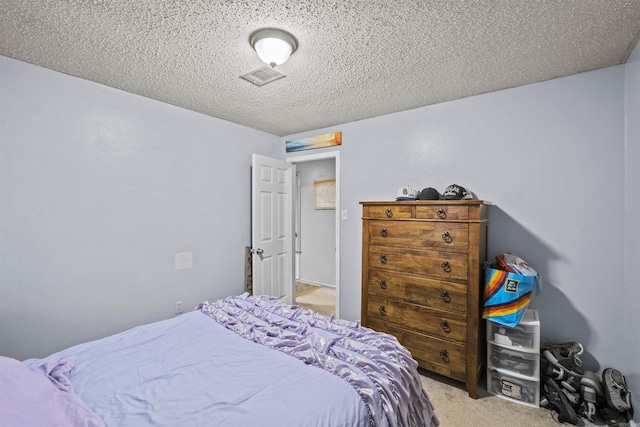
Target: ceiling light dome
x: 273, y: 46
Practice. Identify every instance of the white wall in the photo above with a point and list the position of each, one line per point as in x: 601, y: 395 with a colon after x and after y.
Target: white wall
x: 318, y: 226
x: 631, y: 298
x: 550, y: 157
x: 99, y: 190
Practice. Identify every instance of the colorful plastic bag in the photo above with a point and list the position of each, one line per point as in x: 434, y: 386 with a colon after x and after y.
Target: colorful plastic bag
x: 507, y: 295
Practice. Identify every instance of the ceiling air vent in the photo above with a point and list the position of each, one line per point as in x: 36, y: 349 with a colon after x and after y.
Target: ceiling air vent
x: 263, y: 75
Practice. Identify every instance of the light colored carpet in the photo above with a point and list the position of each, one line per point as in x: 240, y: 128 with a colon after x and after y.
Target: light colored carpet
x: 321, y: 300
x: 303, y: 288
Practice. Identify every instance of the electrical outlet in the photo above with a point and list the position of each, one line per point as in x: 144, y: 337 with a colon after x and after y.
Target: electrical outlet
x: 178, y: 307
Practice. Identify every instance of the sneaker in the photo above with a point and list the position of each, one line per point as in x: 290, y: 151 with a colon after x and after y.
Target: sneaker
x: 592, y: 396
x: 591, y: 387
x: 558, y: 399
x: 613, y: 418
x: 573, y: 398
x: 544, y: 401
x: 588, y: 410
x: 550, y: 371
x: 565, y: 356
x: 571, y: 383
x: 616, y: 390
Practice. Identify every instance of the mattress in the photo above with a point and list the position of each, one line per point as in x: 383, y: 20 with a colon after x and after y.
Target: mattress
x: 241, y: 361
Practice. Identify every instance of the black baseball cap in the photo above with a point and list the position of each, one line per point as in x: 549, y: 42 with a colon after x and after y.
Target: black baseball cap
x: 454, y: 192
x: 429, y: 193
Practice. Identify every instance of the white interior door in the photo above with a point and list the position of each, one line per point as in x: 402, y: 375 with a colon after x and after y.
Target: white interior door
x: 272, y: 227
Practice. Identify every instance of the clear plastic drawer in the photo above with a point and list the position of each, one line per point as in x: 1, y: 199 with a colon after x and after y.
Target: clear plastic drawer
x: 525, y: 336
x: 513, y: 361
x: 515, y: 389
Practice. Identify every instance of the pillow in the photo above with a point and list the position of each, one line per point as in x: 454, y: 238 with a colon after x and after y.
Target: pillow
x: 41, y: 396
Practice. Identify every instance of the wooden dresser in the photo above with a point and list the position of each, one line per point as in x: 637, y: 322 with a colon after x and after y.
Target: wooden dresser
x: 422, y: 281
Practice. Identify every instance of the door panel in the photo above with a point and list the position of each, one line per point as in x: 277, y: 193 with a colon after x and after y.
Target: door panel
x: 272, y: 227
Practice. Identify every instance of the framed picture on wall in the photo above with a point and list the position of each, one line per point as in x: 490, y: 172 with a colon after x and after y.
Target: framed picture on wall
x: 318, y: 141
x: 324, y: 194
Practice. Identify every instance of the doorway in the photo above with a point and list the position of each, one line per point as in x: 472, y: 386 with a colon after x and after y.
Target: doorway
x: 317, y: 255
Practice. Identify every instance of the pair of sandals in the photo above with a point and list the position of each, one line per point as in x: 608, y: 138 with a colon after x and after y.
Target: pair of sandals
x: 616, y: 391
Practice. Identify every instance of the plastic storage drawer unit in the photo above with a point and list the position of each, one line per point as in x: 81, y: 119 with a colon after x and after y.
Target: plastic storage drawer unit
x: 513, y: 360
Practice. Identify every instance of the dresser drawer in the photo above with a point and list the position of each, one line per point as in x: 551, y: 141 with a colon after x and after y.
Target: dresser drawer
x: 435, y: 264
x: 449, y: 236
x: 388, y: 211
x: 431, y: 353
x: 442, y: 212
x: 439, y: 323
x: 441, y: 295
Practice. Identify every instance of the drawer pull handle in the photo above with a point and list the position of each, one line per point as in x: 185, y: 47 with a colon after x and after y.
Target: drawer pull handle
x: 445, y: 296
x: 383, y: 258
x: 442, y: 214
x: 389, y: 213
x: 445, y: 326
x: 383, y: 284
x: 446, y: 267
x: 383, y: 232
x: 383, y: 310
x: 444, y: 356
x: 446, y: 237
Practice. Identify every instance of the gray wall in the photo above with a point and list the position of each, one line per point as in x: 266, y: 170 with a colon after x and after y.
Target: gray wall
x: 317, y: 260
x: 551, y: 158
x: 99, y: 190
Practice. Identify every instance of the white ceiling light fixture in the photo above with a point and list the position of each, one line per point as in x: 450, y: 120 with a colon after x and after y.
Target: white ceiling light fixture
x: 274, y: 46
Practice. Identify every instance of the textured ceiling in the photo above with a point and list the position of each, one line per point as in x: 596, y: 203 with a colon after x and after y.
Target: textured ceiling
x: 355, y: 60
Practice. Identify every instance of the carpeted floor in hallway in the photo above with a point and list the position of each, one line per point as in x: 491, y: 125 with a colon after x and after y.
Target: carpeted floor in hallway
x: 319, y: 299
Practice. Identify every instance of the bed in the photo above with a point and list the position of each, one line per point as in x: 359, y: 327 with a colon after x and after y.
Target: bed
x: 241, y: 361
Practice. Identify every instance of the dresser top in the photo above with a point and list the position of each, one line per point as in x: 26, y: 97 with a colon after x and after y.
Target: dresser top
x: 428, y: 202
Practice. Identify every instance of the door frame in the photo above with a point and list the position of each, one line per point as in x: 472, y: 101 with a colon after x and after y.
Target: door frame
x: 323, y: 156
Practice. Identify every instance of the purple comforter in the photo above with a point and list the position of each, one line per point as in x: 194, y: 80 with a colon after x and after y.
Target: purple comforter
x: 382, y: 371
x: 42, y: 396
